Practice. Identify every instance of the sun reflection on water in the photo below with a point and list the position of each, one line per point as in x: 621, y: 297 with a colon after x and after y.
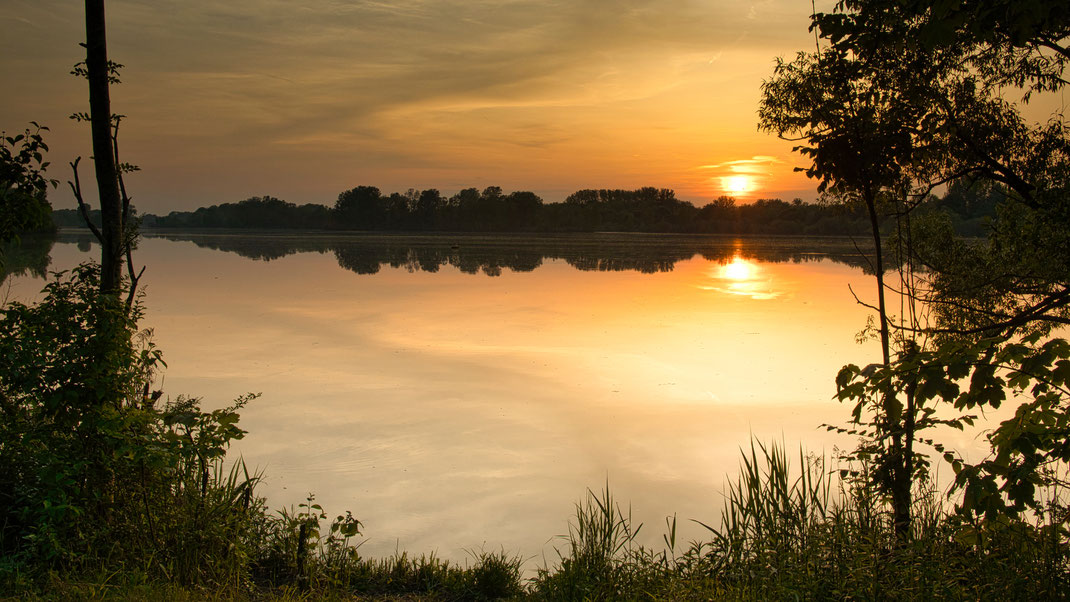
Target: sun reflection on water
x: 742, y: 277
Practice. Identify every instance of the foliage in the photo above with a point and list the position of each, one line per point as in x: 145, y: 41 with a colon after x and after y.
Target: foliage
x: 94, y: 471
x: 1011, y: 43
x: 23, y: 186
x: 812, y: 536
x: 857, y: 122
x: 293, y: 552
x: 289, y: 538
x: 254, y: 212
x: 765, y: 508
x: 970, y: 376
x: 899, y: 98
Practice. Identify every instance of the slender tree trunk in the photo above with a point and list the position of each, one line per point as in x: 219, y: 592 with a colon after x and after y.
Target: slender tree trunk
x: 899, y: 477
x: 96, y: 62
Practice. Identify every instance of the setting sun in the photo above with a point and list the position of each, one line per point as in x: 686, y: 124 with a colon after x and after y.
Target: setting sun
x: 736, y: 185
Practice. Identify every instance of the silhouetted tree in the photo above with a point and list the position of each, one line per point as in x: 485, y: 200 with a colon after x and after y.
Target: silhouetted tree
x: 429, y: 207
x: 905, y: 97
x: 360, y: 208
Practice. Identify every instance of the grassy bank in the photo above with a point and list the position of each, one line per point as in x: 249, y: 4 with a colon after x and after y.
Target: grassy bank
x: 789, y: 531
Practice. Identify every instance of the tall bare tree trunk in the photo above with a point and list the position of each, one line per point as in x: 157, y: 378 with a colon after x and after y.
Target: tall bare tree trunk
x: 900, y: 477
x: 111, y: 212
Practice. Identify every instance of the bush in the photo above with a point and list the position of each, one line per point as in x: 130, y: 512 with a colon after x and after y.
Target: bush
x: 96, y: 472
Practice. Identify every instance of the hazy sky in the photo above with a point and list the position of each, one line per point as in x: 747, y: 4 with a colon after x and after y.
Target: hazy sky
x: 302, y: 99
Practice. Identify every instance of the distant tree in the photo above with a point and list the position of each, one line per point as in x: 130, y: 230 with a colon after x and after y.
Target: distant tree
x: 361, y: 208
x: 583, y: 209
x: 523, y: 210
x: 265, y: 212
x: 466, y: 197
x: 647, y: 209
x: 429, y: 208
x: 464, y: 207
x: 398, y: 212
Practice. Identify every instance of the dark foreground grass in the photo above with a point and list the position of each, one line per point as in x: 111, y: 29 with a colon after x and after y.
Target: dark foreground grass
x: 810, y: 537
x: 785, y: 534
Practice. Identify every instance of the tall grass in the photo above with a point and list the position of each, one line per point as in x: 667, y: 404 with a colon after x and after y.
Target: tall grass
x: 800, y: 533
x: 790, y: 529
x: 595, y: 564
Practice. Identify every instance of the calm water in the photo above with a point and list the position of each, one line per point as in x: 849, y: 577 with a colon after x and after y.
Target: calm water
x: 464, y: 392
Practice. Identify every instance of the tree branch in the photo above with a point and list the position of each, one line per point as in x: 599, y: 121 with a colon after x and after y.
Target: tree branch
x: 1062, y: 50
x: 76, y: 188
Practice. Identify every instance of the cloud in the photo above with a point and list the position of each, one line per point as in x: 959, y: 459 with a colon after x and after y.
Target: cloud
x: 756, y: 165
x: 352, y: 60
x: 307, y: 85
x: 742, y: 177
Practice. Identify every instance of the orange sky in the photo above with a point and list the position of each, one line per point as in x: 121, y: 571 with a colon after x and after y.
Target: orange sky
x: 302, y: 99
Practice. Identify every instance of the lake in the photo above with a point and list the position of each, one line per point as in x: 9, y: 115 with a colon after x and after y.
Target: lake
x: 457, y: 392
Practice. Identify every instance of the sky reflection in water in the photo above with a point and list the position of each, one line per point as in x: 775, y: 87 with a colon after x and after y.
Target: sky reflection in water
x: 450, y: 410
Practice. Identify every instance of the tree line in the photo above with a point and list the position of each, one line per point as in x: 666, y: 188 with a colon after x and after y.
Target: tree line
x: 649, y: 209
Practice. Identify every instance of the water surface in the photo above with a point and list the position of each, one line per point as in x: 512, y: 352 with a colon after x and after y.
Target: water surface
x: 459, y: 392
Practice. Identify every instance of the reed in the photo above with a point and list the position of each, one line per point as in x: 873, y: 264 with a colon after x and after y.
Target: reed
x: 596, y: 562
x: 799, y: 532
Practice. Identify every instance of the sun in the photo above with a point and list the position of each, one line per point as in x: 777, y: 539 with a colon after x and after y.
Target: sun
x: 736, y: 184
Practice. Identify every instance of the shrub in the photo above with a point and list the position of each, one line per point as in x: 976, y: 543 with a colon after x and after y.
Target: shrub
x: 96, y: 471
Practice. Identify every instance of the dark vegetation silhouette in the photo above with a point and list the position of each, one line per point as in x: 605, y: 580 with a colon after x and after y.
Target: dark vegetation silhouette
x: 24, y: 206
x: 900, y: 98
x: 364, y: 208
x: 114, y: 233
x: 489, y: 254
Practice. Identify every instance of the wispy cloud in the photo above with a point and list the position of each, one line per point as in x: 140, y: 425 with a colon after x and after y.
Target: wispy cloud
x: 758, y: 164
x: 742, y: 177
x: 323, y: 89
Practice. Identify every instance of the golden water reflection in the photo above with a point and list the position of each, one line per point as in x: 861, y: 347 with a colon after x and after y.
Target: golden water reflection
x: 448, y: 409
x: 743, y: 277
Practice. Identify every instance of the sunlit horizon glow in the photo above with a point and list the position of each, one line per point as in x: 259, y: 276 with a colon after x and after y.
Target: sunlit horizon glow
x: 305, y: 99
x: 309, y: 98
